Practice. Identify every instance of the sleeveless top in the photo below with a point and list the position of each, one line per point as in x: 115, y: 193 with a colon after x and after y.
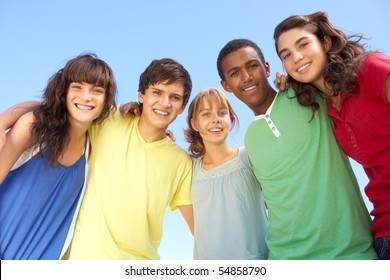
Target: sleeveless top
x: 38, y: 203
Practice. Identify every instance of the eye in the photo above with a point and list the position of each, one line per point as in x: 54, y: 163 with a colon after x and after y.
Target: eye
x: 223, y: 113
x: 99, y: 90
x: 176, y: 97
x: 233, y: 74
x: 205, y: 114
x: 252, y: 66
x: 157, y: 92
x: 75, y: 86
x: 285, y: 56
x: 301, y: 46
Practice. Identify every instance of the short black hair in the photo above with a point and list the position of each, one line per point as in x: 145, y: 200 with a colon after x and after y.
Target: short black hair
x: 232, y: 46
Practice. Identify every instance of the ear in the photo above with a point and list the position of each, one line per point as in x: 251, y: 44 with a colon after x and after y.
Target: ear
x: 267, y: 68
x: 225, y: 86
x: 194, y: 125
x: 182, y: 109
x: 327, y: 43
x: 140, y: 97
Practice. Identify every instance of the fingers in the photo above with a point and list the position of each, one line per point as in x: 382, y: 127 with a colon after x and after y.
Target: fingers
x: 131, y: 108
x: 280, y: 81
x: 170, y: 134
x: 123, y: 109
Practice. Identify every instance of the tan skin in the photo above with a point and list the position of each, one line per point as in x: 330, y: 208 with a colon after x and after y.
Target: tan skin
x: 84, y: 103
x: 213, y: 115
x: 299, y: 44
x: 247, y: 77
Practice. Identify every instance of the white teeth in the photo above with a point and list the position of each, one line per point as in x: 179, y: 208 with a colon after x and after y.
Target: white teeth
x: 249, y: 88
x: 161, y: 112
x: 215, y: 129
x: 84, y: 107
x: 303, y: 67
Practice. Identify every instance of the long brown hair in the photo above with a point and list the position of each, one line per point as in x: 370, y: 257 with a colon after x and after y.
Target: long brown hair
x: 343, y: 58
x: 51, y: 127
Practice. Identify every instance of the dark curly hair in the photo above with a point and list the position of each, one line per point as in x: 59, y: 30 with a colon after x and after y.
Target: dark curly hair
x: 343, y: 58
x: 50, y: 129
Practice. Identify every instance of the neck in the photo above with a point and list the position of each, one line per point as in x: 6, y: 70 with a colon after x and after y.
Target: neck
x: 217, y: 155
x: 323, y: 87
x: 326, y: 89
x: 77, y: 133
x: 262, y: 107
x: 150, y: 134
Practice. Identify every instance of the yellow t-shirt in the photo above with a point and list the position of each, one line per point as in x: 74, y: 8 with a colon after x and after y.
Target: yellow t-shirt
x: 130, y: 184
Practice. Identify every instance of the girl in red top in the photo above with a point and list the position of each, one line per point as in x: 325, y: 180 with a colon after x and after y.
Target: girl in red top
x: 320, y: 57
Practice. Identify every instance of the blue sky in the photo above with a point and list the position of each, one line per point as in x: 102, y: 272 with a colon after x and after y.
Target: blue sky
x: 38, y: 37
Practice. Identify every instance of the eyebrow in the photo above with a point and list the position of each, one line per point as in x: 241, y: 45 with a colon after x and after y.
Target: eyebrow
x: 232, y: 69
x: 296, y: 43
x: 238, y: 67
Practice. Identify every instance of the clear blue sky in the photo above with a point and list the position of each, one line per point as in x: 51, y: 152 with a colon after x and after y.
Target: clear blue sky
x: 38, y: 37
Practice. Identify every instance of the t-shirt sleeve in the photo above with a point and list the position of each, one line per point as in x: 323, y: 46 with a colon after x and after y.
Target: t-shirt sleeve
x: 182, y: 195
x: 96, y: 129
x: 375, y: 69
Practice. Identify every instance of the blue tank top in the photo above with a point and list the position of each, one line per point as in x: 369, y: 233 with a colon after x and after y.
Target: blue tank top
x: 37, y: 206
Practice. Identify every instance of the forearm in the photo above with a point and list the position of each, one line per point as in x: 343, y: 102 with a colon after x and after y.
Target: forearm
x: 188, y: 215
x: 9, y: 117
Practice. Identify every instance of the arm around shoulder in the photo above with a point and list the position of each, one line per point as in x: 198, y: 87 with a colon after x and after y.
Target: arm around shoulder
x: 9, y: 117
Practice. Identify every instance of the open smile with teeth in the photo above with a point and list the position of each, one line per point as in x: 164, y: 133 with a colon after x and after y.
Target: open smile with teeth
x: 249, y: 88
x: 215, y: 129
x: 161, y: 112
x: 303, y: 67
x: 84, y: 107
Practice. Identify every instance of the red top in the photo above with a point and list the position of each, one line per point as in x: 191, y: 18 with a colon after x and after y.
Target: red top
x: 362, y: 128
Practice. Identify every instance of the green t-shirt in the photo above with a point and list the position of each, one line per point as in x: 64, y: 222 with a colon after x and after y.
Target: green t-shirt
x: 315, y: 207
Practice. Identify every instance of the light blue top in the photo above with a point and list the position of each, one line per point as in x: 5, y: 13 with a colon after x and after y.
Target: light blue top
x: 37, y: 205
x: 229, y: 213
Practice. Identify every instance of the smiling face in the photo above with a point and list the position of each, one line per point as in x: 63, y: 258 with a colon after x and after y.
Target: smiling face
x: 162, y: 103
x: 84, y: 103
x: 246, y: 76
x: 213, y: 121
x: 303, y: 56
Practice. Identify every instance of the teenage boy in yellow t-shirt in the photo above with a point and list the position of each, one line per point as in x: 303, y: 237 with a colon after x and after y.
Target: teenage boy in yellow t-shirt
x: 135, y: 172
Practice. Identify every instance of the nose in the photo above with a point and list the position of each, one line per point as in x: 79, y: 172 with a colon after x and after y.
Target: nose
x: 245, y: 75
x: 216, y: 119
x: 87, y: 95
x: 297, y: 56
x: 165, y: 101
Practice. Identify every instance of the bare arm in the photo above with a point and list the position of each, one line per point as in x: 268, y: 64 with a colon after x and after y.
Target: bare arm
x: 18, y: 140
x: 188, y: 215
x: 12, y: 114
